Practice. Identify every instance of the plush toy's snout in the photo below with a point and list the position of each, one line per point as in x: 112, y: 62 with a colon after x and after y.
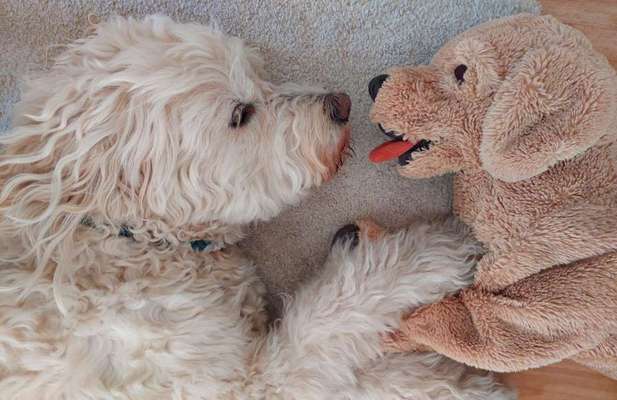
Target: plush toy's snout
x: 375, y: 84
x: 411, y: 108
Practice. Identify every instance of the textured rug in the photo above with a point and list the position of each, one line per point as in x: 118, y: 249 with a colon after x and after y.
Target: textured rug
x: 340, y: 44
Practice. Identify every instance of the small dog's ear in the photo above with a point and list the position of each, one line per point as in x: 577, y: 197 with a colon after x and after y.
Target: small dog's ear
x: 557, y: 102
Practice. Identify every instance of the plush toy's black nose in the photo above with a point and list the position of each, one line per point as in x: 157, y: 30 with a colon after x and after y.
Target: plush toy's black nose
x: 338, y: 105
x: 348, y: 233
x: 375, y: 84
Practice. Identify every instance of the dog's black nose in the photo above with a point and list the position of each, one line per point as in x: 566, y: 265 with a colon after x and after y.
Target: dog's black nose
x: 338, y: 106
x: 348, y: 233
x: 375, y: 84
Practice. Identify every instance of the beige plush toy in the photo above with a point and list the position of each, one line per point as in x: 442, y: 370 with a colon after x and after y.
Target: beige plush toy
x: 524, y: 112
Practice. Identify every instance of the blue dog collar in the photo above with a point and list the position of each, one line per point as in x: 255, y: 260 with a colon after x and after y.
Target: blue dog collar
x: 198, y: 245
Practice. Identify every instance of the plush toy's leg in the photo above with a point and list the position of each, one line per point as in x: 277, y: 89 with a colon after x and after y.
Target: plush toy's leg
x: 545, y: 318
x: 557, y: 238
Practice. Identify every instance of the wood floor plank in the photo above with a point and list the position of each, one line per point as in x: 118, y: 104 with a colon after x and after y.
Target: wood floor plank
x: 565, y: 380
x: 595, y: 18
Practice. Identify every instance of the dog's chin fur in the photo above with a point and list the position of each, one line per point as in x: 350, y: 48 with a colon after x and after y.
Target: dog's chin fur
x: 131, y: 128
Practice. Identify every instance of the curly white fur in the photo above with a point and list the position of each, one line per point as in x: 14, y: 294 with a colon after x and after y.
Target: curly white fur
x: 131, y: 128
x: 328, y: 342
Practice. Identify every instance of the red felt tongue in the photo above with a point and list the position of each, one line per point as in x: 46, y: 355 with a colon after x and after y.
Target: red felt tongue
x: 389, y: 150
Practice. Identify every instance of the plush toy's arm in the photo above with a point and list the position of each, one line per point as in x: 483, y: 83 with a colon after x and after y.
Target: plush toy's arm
x: 538, y: 321
x: 558, y: 238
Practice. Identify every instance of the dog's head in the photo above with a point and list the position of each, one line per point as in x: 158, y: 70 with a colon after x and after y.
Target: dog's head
x: 513, y: 97
x: 155, y: 120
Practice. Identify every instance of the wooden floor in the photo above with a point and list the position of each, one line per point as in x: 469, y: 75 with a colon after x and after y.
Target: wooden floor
x: 595, y: 18
x: 567, y: 380
x: 563, y: 381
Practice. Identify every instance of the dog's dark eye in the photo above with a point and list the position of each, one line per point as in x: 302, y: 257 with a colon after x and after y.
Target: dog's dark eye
x: 459, y: 73
x: 241, y: 115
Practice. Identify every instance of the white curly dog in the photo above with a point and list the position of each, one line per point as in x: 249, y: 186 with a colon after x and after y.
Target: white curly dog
x: 131, y: 169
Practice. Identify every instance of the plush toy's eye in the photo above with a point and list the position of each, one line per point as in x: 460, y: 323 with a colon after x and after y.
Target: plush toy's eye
x: 241, y: 115
x: 459, y: 73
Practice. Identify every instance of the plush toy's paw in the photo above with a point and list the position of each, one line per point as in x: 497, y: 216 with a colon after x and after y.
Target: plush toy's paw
x: 404, y: 339
x: 399, y: 342
x: 394, y: 342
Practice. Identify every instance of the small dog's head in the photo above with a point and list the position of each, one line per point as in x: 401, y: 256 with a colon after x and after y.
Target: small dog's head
x: 513, y: 97
x: 155, y: 120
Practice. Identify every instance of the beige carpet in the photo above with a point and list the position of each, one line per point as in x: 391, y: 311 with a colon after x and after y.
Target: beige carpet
x: 340, y: 44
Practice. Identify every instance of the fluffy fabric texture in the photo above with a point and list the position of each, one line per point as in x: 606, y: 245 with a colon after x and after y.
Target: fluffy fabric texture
x: 531, y: 132
x: 137, y: 125
x: 337, y: 44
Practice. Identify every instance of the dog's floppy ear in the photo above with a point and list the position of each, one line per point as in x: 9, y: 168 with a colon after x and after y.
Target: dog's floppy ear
x: 554, y: 104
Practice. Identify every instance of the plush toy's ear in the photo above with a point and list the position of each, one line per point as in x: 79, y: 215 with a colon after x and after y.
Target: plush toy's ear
x: 554, y: 104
